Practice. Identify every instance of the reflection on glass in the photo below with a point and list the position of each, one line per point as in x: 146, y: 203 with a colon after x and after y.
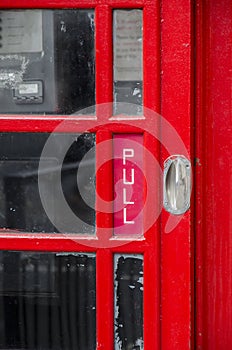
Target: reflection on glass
x: 128, y: 302
x: 128, y: 48
x: 20, y: 202
x: 47, y: 301
x: 47, y: 61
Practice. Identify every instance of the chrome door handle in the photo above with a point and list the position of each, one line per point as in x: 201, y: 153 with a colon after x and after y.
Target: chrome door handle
x: 177, y: 184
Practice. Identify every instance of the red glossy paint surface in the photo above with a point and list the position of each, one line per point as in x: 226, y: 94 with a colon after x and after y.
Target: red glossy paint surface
x: 167, y: 53
x: 177, y: 246
x: 214, y: 174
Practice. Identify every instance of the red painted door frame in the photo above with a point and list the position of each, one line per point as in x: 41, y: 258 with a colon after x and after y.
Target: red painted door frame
x: 168, y: 89
x: 213, y: 174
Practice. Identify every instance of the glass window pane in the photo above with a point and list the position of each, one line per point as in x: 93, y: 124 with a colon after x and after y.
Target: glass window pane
x: 128, y: 67
x: 47, y: 301
x: 21, y: 205
x: 47, y: 61
x: 128, y: 302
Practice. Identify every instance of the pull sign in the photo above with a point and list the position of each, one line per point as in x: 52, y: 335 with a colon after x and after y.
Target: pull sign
x: 128, y: 184
x: 177, y: 185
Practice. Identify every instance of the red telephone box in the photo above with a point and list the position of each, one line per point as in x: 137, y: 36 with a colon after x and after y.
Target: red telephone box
x: 98, y: 120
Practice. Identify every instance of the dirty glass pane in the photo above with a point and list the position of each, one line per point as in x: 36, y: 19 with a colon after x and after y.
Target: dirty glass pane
x: 128, y: 67
x: 47, y: 301
x: 21, y: 169
x: 128, y: 302
x: 47, y: 61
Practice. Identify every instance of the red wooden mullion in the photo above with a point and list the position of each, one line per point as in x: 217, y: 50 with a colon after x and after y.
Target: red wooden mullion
x: 16, y: 123
x: 105, y: 300
x: 104, y: 187
x: 177, y: 246
x: 151, y: 55
x: 45, y: 124
x: 152, y: 253
x: 44, y: 242
x: 104, y: 59
x: 104, y: 90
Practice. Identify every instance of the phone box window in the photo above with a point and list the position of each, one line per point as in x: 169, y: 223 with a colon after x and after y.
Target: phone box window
x: 47, y: 61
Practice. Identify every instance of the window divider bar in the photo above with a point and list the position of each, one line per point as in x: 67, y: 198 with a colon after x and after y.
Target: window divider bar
x: 104, y: 61
x: 104, y: 189
x: 105, y: 299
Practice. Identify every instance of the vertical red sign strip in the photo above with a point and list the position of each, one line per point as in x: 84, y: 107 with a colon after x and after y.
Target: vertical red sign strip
x: 128, y: 184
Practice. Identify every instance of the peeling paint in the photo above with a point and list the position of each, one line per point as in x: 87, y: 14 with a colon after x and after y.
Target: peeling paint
x: 136, y: 92
x: 63, y: 26
x: 92, y: 24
